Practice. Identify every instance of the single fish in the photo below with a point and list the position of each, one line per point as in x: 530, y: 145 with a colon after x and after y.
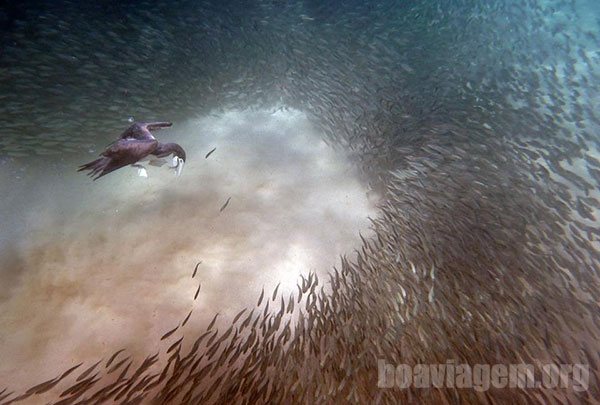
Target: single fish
x: 196, y: 268
x: 210, y: 153
x: 212, y: 323
x: 169, y: 333
x: 225, y: 205
x: 186, y: 319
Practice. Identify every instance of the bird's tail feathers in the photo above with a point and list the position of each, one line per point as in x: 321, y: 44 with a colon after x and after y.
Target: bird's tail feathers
x: 97, y: 167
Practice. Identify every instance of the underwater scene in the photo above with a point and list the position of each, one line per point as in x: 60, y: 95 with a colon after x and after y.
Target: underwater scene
x: 299, y: 201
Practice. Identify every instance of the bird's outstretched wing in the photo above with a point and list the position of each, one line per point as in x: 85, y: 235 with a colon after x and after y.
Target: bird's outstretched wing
x: 154, y: 126
x: 141, y: 130
x: 121, y: 153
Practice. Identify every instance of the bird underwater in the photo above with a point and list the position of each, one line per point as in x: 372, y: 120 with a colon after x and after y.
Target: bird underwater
x: 135, y: 144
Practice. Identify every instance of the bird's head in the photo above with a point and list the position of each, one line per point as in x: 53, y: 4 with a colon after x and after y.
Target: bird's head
x: 165, y: 149
x: 178, y: 151
x: 178, y: 156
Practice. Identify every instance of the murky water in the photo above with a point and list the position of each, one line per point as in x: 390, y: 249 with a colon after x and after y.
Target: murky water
x: 108, y: 264
x: 435, y: 163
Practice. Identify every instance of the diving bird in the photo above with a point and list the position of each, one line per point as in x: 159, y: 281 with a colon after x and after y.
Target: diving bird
x: 135, y: 144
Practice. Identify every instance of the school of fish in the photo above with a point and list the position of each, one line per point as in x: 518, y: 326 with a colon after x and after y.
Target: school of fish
x: 477, y: 121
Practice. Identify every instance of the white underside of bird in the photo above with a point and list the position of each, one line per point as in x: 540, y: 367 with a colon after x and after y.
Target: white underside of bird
x: 176, y: 164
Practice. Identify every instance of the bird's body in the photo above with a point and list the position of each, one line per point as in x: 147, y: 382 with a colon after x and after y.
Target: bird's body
x: 135, y: 144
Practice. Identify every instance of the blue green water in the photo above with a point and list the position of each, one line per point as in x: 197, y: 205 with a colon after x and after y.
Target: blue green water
x: 456, y: 135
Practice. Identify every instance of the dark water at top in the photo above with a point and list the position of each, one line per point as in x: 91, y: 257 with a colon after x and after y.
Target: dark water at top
x: 467, y: 131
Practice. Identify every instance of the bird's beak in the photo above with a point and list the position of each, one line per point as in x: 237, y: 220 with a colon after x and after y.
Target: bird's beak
x: 179, y: 167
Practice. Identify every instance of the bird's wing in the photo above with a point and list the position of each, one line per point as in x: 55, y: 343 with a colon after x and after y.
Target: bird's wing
x: 138, y: 132
x: 131, y: 149
x: 141, y: 130
x: 122, y: 153
x: 153, y: 126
